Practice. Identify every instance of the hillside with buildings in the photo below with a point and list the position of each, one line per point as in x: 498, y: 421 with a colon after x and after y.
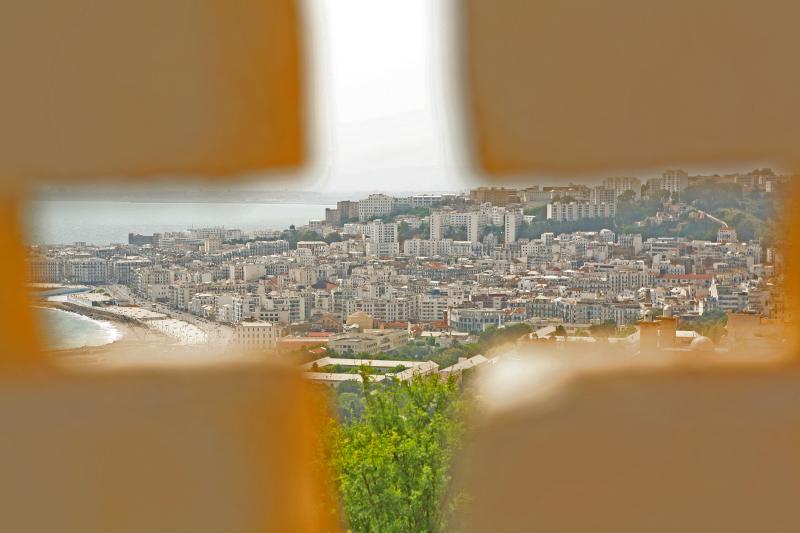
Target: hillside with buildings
x: 380, y: 275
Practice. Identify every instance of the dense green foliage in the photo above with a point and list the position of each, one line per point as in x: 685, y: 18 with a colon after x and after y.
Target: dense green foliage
x: 630, y: 211
x: 538, y: 212
x: 711, y: 324
x: 493, y: 337
x: 692, y: 229
x: 712, y: 196
x: 752, y: 214
x: 457, y: 233
x: 333, y: 237
x: 294, y: 236
x: 604, y: 330
x: 391, y: 456
x: 403, y: 211
x: 421, y: 350
x: 405, y: 231
x: 497, y: 231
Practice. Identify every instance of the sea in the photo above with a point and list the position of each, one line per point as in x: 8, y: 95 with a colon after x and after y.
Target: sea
x: 66, y: 331
x: 107, y: 222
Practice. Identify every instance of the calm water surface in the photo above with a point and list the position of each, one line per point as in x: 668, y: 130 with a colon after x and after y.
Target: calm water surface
x: 101, y: 222
x: 66, y: 331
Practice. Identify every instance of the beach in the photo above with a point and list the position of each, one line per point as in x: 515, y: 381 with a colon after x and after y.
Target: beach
x: 139, y: 342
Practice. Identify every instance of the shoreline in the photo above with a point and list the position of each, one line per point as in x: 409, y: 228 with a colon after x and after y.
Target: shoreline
x: 129, y: 331
x: 138, y: 346
x: 112, y: 332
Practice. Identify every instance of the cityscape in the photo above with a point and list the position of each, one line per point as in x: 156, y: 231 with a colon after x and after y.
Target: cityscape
x: 410, y: 285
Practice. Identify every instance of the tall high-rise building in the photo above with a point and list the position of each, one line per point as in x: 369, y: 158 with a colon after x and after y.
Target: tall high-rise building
x: 674, y: 181
x: 437, y: 224
x: 602, y: 194
x: 623, y: 184
x: 382, y: 239
x: 510, y: 224
x: 375, y: 205
x: 473, y: 226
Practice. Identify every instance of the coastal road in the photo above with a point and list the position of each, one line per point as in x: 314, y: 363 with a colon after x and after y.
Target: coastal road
x: 218, y: 334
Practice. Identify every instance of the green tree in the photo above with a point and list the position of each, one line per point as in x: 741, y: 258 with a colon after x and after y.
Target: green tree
x: 455, y: 233
x: 392, y: 464
x: 711, y: 324
x: 333, y: 237
x: 604, y: 330
x: 538, y: 212
x: 493, y: 337
x: 294, y: 236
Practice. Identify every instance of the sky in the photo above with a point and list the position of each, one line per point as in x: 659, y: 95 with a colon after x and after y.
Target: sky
x: 384, y: 106
x: 379, y: 86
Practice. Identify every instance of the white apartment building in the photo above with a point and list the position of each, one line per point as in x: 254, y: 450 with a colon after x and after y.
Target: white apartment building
x: 375, y: 205
x: 466, y: 249
x: 623, y: 184
x: 379, y: 232
x: 153, y: 283
x: 419, y: 200
x: 602, y: 195
x: 212, y: 244
x: 245, y: 306
x: 316, y: 248
x: 284, y: 309
x: 629, y: 279
x: 562, y: 212
x: 256, y: 336
x: 437, y: 225
x: 427, y: 247
x: 303, y: 275
x: 631, y: 240
x: 247, y: 271
x: 382, y: 249
x: 369, y: 341
x: 382, y: 239
x: 88, y: 270
x: 267, y: 247
x: 473, y: 227
x: 728, y: 297
x: 205, y: 233
x: 606, y: 235
x: 726, y: 234
x: 674, y: 181
x: 45, y: 270
x: 665, y: 246
x: 511, y: 222
x: 202, y: 304
x: 428, y: 308
x: 476, y: 320
x: 386, y: 310
x: 124, y: 270
x: 180, y: 295
x: 472, y: 220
